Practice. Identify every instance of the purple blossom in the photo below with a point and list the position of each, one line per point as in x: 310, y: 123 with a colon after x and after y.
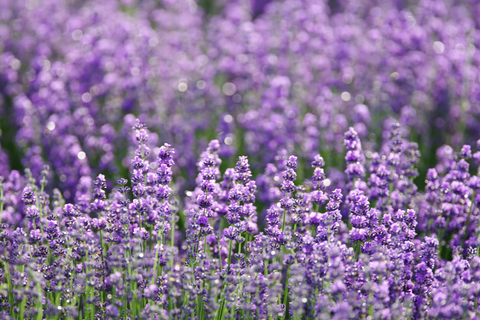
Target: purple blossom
x: 387, y: 228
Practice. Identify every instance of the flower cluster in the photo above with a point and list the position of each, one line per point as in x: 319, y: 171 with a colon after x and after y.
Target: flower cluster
x: 143, y: 252
x: 273, y: 159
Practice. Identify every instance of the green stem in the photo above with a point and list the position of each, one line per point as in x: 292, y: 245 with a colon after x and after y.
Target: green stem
x: 221, y: 226
x: 39, y: 302
x: 9, y: 281
x: 475, y: 305
x: 357, y: 249
x: 235, y: 302
x: 172, y: 238
x: 220, y: 256
x: 285, y: 294
x: 240, y: 246
x: 220, y: 314
x: 199, y: 307
x: 184, y: 302
x: 154, y: 275
x: 22, y: 307
x: 229, y: 256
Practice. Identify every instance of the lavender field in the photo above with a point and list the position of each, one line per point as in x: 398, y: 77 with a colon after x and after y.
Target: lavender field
x: 239, y: 159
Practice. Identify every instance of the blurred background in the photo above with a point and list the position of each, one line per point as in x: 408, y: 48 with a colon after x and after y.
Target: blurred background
x: 265, y: 78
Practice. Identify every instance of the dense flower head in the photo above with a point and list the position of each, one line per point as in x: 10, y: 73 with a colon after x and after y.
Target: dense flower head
x: 165, y: 155
x: 354, y: 157
x: 28, y: 196
x: 318, y: 161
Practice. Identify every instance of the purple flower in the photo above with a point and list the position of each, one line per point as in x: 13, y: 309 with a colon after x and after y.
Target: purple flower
x: 230, y: 233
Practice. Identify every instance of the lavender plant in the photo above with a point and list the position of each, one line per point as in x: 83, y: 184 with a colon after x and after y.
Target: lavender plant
x: 138, y: 253
x: 239, y: 160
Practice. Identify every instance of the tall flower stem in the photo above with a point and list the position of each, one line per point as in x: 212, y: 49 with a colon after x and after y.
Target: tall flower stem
x: 9, y: 281
x: 172, y: 239
x: 220, y: 314
x: 229, y: 256
x: 285, y: 294
x: 157, y: 249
